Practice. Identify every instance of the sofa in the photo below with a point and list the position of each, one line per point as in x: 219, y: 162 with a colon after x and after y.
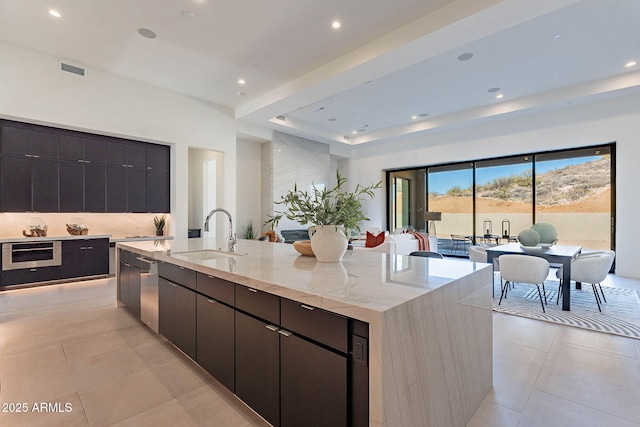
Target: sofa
x: 396, y: 244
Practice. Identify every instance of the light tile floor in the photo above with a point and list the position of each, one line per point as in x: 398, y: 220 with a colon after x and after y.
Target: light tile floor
x: 68, y: 344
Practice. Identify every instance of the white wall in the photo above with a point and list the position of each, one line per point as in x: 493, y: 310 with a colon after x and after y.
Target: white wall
x: 248, y: 178
x: 33, y: 89
x: 597, y: 123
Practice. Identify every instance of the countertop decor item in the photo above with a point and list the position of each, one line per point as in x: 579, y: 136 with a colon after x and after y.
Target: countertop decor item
x: 77, y: 230
x: 529, y: 237
x: 37, y: 228
x: 159, y: 222
x: 303, y: 247
x: 333, y: 209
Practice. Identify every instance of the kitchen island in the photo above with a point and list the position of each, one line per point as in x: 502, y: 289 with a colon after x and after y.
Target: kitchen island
x: 429, y: 320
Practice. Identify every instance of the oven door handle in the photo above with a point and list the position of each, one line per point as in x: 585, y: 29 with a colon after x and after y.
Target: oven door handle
x: 32, y: 249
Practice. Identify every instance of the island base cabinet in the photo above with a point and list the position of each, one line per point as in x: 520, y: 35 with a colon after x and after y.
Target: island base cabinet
x: 215, y: 341
x: 257, y: 366
x: 129, y: 287
x: 177, y: 316
x: 313, y: 384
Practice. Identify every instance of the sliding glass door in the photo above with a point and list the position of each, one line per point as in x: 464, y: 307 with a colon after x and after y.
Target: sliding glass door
x: 573, y: 192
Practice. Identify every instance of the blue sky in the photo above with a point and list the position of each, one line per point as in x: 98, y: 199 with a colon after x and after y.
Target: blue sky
x: 443, y: 181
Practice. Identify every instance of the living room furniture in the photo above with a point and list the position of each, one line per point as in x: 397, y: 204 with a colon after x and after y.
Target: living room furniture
x: 426, y: 254
x: 524, y: 269
x: 556, y: 254
x: 591, y: 267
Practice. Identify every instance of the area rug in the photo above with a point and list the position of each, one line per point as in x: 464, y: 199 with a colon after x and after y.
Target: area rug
x: 620, y: 314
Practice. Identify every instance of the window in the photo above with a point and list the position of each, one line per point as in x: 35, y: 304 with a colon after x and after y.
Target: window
x: 492, y: 200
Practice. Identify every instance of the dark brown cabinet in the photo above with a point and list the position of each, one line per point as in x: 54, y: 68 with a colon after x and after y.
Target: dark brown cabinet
x: 215, y: 348
x: 30, y: 275
x: 44, y: 169
x: 85, y: 257
x: 177, y: 315
x: 311, y: 373
x: 258, y: 366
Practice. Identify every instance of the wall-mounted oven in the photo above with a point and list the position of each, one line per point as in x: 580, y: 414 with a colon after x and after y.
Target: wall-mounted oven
x: 31, y: 255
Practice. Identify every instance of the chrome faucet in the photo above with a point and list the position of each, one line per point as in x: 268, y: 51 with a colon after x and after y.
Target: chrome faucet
x: 232, y: 235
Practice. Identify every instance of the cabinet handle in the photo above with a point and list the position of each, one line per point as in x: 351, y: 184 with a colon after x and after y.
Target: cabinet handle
x: 210, y: 277
x: 284, y: 332
x: 28, y: 155
x: 253, y: 290
x: 87, y: 161
x: 308, y: 307
x: 182, y: 268
x: 80, y: 161
x: 82, y: 248
x: 89, y: 248
x: 33, y: 269
x: 211, y: 301
x: 124, y: 166
x: 273, y: 328
x: 35, y: 156
x: 173, y: 284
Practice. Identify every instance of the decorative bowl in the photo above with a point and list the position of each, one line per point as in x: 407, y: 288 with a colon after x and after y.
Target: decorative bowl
x: 303, y: 247
x: 531, y: 248
x: 546, y: 245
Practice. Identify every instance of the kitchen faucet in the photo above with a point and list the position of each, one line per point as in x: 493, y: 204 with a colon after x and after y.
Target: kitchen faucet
x: 232, y: 235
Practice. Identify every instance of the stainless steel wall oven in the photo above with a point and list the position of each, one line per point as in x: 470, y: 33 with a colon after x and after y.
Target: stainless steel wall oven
x: 31, y: 255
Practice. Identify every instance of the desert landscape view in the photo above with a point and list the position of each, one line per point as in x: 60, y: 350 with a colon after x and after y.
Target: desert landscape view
x: 576, y: 199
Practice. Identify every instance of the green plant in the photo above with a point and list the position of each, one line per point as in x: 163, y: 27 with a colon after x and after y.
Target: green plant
x: 249, y: 232
x: 159, y: 222
x: 325, y: 206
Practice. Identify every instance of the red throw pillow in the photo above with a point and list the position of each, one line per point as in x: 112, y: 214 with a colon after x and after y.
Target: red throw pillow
x: 373, y: 240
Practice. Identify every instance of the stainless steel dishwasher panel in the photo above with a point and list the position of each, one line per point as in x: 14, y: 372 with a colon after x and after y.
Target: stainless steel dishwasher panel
x: 149, y: 294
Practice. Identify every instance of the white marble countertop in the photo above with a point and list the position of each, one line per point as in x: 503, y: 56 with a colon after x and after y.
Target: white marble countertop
x: 49, y: 238
x: 374, y: 282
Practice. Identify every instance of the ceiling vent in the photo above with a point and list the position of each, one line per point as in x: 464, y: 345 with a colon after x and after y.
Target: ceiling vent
x: 71, y: 69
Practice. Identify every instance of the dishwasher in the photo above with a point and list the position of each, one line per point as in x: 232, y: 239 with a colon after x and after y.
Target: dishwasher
x: 149, y: 292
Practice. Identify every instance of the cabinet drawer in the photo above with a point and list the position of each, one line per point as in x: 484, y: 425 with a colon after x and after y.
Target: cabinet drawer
x: 216, y: 288
x: 319, y: 325
x: 177, y: 274
x: 258, y: 303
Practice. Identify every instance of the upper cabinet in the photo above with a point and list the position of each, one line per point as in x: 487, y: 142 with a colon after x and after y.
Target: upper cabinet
x: 44, y: 169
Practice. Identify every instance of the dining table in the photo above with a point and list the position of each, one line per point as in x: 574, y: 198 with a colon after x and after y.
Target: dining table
x: 555, y: 254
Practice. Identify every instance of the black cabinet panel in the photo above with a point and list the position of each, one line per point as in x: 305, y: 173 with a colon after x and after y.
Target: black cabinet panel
x: 177, y: 274
x: 95, y: 150
x: 85, y: 257
x: 136, y: 190
x: 258, y: 367
x: 158, y: 157
x: 216, y: 288
x: 157, y: 191
x: 15, y: 184
x: 322, y: 326
x: 73, y: 259
x: 260, y: 304
x: 97, y: 262
x: 30, y: 275
x: 134, y: 290
x: 116, y: 189
x: 29, y: 142
x: 310, y: 373
x: 95, y: 187
x: 167, y: 309
x: 215, y: 340
x: 45, y: 185
x: 124, y: 284
x: 137, y: 155
x: 116, y: 154
x: 71, y: 187
x: 71, y: 148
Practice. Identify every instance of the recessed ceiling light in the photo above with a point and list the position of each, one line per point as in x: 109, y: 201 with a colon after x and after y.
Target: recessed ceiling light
x: 556, y: 36
x: 317, y: 110
x: 280, y: 117
x: 424, y: 114
x: 354, y: 132
x: 630, y: 64
x: 241, y: 81
x: 499, y: 95
x: 465, y: 56
x: 54, y: 13
x: 240, y: 93
x: 187, y: 14
x: 332, y: 119
x: 494, y: 89
x: 362, y: 130
x: 145, y: 32
x: 336, y: 24
x: 414, y: 117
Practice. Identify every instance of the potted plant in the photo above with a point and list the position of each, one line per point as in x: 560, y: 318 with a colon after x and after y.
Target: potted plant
x: 332, y: 211
x: 249, y: 232
x: 159, y: 222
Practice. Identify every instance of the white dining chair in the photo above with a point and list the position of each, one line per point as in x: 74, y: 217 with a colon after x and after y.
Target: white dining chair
x: 592, y: 268
x: 479, y: 254
x: 524, y: 269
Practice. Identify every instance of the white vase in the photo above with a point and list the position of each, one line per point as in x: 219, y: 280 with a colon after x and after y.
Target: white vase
x: 329, y: 243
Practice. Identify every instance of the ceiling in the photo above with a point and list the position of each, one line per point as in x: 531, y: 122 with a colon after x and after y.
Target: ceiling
x: 391, y: 70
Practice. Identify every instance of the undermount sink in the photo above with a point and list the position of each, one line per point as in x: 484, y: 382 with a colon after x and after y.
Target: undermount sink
x: 204, y: 254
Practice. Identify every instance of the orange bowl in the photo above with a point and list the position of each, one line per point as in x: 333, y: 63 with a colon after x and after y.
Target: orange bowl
x: 303, y: 247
